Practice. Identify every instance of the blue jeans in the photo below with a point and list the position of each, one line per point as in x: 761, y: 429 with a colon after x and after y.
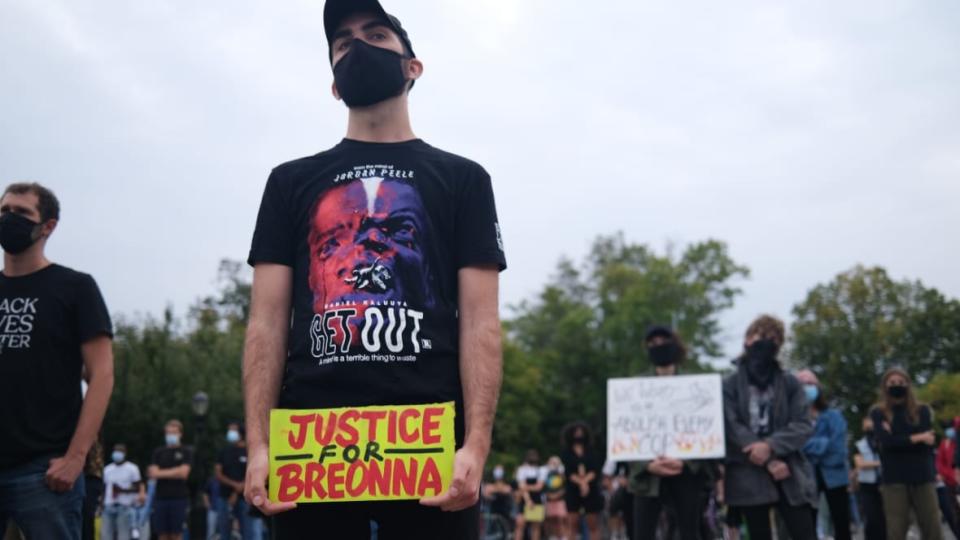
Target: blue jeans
x: 117, y: 521
x: 251, y: 528
x: 39, y: 512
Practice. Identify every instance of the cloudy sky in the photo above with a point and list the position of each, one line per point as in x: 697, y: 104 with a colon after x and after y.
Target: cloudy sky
x: 810, y: 136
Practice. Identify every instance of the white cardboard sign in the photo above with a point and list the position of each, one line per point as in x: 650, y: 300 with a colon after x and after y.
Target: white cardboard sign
x: 678, y: 417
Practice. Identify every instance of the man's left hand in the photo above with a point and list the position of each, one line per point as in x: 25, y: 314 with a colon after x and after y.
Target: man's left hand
x: 63, y: 472
x: 464, y: 490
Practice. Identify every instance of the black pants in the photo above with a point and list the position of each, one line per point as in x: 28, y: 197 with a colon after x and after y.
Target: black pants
x: 872, y: 503
x: 948, y: 509
x: 838, y: 501
x: 396, y: 520
x: 91, y: 499
x: 796, y: 519
x: 683, y: 493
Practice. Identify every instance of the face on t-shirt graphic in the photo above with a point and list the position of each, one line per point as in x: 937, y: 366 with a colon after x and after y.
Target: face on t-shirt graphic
x: 366, y: 244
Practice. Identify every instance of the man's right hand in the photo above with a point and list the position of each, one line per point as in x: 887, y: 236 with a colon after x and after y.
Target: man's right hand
x: 255, y: 485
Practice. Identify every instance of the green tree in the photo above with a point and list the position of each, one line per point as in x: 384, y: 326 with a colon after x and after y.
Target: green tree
x: 161, y: 364
x: 587, y: 326
x: 848, y: 331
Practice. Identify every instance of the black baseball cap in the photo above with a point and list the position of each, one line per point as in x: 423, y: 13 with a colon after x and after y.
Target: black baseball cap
x: 335, y: 11
x: 658, y: 330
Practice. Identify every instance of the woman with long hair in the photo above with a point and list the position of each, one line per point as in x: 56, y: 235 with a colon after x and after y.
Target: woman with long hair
x: 904, y: 431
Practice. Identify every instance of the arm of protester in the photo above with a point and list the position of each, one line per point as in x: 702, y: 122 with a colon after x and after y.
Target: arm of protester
x: 180, y: 472
x: 738, y: 430
x: 481, y: 363
x: 264, y: 357
x: 791, y: 437
x: 884, y: 436
x: 97, y: 355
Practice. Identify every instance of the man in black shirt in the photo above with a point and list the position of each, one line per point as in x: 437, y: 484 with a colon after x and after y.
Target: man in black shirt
x: 54, y: 331
x: 231, y: 470
x: 170, y: 467
x: 375, y: 283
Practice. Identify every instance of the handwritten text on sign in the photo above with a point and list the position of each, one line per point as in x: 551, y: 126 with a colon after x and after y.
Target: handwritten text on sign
x: 678, y: 417
x: 361, y: 454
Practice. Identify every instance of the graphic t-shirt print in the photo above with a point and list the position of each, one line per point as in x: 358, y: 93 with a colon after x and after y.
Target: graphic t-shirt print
x: 369, y: 273
x: 16, y: 322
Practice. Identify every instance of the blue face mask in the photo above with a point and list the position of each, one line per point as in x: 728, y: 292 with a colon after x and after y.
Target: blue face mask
x: 117, y: 456
x: 951, y: 433
x: 813, y: 392
x: 172, y: 439
x: 233, y: 436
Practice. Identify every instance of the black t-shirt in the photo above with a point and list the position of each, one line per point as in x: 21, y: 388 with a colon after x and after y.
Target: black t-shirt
x: 45, y: 318
x: 168, y: 457
x: 571, y: 466
x: 233, y: 462
x: 375, y: 234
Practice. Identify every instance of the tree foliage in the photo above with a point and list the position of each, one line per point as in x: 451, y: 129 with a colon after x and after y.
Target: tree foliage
x: 587, y: 325
x: 161, y: 364
x: 850, y: 330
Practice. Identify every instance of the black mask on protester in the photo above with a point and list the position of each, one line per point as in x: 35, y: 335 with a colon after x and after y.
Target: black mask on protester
x: 368, y: 75
x: 897, y: 392
x: 663, y: 355
x: 16, y: 233
x: 761, y: 362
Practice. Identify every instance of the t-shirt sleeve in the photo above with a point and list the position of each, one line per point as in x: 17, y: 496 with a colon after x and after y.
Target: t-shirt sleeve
x: 93, y: 319
x: 479, y: 239
x: 135, y: 474
x: 273, y: 236
x: 155, y: 457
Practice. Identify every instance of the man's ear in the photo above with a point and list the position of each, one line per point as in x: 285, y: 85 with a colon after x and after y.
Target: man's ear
x: 333, y: 90
x: 414, y: 69
x: 47, y: 229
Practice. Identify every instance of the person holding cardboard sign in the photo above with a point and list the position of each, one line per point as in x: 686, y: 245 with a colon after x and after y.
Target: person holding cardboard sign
x: 668, y: 482
x: 375, y: 284
x: 767, y: 424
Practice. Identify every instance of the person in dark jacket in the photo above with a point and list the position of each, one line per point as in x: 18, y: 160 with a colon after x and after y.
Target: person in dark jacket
x: 827, y: 452
x: 767, y: 424
x: 584, y: 471
x: 681, y: 485
x: 904, y: 430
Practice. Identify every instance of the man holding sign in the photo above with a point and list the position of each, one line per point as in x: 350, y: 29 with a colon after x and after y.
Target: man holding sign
x: 374, y: 336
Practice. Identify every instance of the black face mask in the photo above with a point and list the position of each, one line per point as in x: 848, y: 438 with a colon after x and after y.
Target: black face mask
x: 663, y: 355
x: 16, y: 233
x: 761, y: 362
x: 897, y: 392
x: 368, y: 75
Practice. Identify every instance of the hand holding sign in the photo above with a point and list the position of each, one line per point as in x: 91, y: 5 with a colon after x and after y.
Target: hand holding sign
x: 465, y: 488
x: 255, y: 492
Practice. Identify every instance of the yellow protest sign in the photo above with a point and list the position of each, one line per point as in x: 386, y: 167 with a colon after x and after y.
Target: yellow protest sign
x: 382, y: 453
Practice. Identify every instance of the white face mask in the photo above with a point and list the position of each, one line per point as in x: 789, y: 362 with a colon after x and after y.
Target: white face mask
x: 498, y: 473
x: 172, y: 439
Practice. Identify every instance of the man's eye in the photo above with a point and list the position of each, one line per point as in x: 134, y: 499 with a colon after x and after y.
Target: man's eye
x: 379, y: 36
x: 344, y: 45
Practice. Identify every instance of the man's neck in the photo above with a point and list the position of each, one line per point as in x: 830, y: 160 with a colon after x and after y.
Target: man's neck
x: 385, y: 122
x: 22, y: 264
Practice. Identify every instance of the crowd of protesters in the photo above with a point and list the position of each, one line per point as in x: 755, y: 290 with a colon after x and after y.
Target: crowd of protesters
x: 791, y: 468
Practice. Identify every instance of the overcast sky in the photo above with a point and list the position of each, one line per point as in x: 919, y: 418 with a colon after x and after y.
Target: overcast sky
x: 810, y: 136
